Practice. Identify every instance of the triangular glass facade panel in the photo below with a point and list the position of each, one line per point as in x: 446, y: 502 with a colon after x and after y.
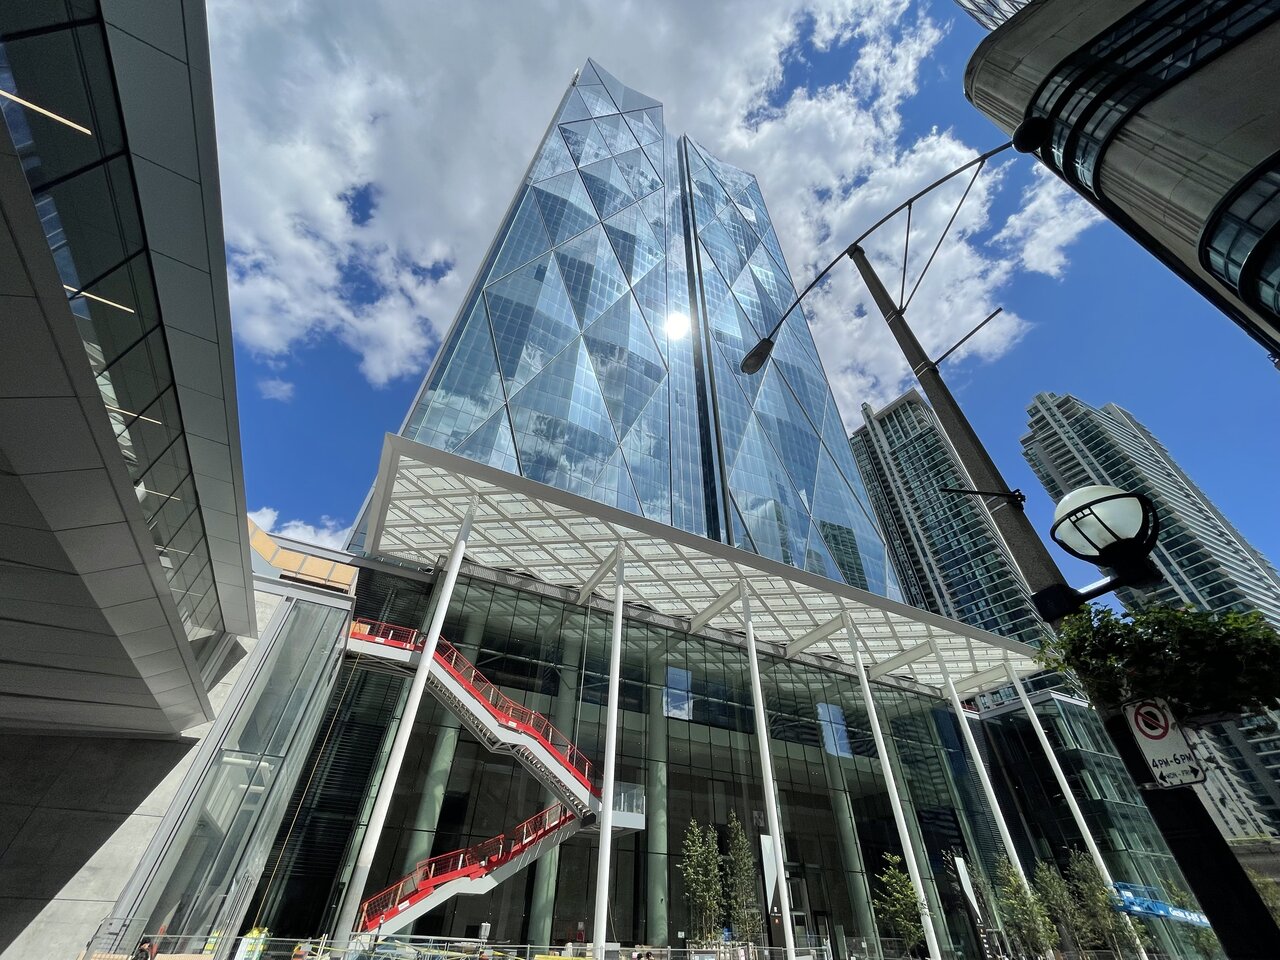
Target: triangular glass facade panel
x: 526, y: 240
x: 642, y: 128
x: 637, y: 249
x: 566, y: 206
x: 468, y: 390
x: 562, y: 427
x: 639, y: 172
x: 617, y: 135
x: 622, y: 95
x: 647, y: 448
x: 627, y: 363
x: 597, y: 99
x: 492, y: 443
x: 553, y: 159
x: 607, y: 186
x: 591, y: 273
x: 532, y: 319
x: 584, y: 141
x: 574, y: 109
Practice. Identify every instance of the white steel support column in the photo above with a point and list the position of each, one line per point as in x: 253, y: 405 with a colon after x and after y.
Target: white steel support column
x: 600, y: 929
x: 395, y: 759
x: 766, y: 772
x: 983, y: 777
x: 1064, y: 786
x: 895, y: 801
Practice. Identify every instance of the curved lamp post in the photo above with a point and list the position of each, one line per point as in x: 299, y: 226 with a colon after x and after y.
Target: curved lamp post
x: 1101, y: 525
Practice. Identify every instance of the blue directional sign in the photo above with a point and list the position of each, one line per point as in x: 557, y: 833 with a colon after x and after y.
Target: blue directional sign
x: 1145, y: 902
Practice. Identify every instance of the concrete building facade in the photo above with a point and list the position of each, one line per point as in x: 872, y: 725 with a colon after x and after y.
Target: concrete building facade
x: 1155, y: 121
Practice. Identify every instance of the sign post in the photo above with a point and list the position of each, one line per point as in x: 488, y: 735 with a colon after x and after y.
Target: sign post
x: 1168, y: 753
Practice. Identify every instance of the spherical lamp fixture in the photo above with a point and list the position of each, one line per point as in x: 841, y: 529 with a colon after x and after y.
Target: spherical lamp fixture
x: 1106, y: 526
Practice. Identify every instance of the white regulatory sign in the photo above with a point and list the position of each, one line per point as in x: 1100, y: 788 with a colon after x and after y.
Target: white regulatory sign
x: 1172, y: 761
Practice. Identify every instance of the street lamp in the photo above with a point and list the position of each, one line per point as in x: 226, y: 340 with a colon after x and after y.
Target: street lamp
x: 1084, y: 520
x: 1110, y: 528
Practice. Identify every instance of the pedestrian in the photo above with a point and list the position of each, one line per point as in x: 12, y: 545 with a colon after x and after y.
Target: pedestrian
x: 145, y: 950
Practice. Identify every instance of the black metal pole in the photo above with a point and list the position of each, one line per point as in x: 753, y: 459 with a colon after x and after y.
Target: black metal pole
x: 1029, y: 552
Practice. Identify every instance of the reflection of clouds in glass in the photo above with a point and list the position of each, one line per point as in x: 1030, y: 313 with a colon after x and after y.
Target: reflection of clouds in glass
x: 677, y: 325
x: 677, y: 701
x: 835, y: 735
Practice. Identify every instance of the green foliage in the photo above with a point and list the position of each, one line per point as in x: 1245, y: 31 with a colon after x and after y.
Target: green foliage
x: 1055, y: 894
x: 700, y: 865
x: 1026, y: 921
x: 1201, y: 939
x: 1101, y: 926
x: 740, y: 886
x: 1201, y: 663
x: 897, y: 907
x: 1268, y: 890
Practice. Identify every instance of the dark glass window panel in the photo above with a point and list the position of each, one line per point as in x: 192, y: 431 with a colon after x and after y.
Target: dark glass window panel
x: 135, y: 379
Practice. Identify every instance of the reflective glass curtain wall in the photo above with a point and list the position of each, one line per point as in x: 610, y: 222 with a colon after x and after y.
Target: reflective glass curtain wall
x: 598, y: 348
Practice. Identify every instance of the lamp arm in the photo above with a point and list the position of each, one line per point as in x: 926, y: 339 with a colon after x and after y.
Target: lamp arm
x: 980, y: 159
x: 816, y: 280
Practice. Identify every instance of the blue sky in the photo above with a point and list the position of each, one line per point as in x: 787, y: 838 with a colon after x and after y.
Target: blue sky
x: 356, y: 218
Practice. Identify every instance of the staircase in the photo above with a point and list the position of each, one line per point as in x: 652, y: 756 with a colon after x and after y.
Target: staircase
x: 476, y: 869
x: 503, y: 726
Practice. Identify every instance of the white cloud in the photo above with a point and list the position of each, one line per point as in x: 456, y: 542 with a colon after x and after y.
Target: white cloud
x: 327, y: 533
x: 273, y: 388
x: 441, y: 105
x: 1051, y: 218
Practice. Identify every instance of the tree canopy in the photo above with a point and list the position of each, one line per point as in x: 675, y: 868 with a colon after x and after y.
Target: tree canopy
x: 1201, y: 663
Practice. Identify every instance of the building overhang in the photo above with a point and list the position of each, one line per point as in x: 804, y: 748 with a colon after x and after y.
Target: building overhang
x: 422, y: 495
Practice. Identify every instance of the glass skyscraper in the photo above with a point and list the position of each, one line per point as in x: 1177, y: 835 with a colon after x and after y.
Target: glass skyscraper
x: 598, y: 347
x: 951, y: 559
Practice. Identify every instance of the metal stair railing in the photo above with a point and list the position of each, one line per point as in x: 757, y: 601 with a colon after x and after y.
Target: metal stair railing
x: 474, y: 861
x: 514, y: 715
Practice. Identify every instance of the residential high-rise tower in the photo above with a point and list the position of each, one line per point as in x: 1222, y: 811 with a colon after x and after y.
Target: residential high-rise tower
x: 1206, y: 563
x: 950, y: 557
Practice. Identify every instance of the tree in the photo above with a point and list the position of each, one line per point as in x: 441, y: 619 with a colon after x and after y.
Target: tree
x: 740, y: 885
x: 1202, y: 663
x: 1102, y: 926
x: 897, y: 907
x: 1026, y: 922
x: 1201, y: 939
x: 1055, y: 894
x: 700, y: 865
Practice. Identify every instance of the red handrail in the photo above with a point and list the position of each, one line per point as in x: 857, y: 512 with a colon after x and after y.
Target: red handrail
x: 515, y: 714
x: 472, y: 861
x: 387, y: 634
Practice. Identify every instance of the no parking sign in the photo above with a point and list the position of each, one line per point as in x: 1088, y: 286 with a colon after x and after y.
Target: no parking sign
x: 1172, y: 761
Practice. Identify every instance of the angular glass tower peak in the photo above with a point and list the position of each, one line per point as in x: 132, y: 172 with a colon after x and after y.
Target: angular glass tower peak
x: 598, y: 347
